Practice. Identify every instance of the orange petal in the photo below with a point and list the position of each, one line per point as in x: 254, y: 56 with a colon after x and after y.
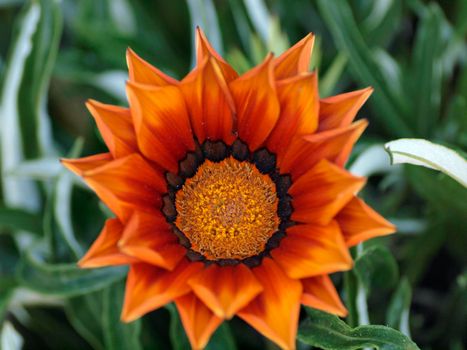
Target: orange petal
x: 322, y: 192
x: 104, y: 251
x: 274, y: 313
x: 334, y: 145
x: 205, y: 50
x: 197, y: 319
x: 310, y: 250
x: 299, y: 108
x: 296, y: 59
x: 115, y: 126
x: 256, y: 103
x: 149, y: 287
x: 142, y: 72
x: 319, y: 293
x: 148, y: 238
x: 338, y: 111
x: 81, y: 165
x: 123, y: 184
x: 359, y: 222
x: 210, y: 103
x: 162, y: 123
x: 225, y: 290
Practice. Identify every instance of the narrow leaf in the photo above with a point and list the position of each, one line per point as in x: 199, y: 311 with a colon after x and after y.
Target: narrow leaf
x: 63, y: 279
x: 390, y: 104
x: 375, y: 267
x: 399, y: 308
x: 17, y: 219
x: 118, y: 335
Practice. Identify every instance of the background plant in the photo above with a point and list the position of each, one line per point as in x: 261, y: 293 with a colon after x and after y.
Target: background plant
x: 56, y: 54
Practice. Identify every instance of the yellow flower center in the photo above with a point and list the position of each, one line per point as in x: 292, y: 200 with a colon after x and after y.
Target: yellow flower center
x: 228, y: 210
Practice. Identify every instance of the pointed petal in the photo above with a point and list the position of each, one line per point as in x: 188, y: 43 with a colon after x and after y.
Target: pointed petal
x: 205, y: 50
x: 225, y: 290
x: 338, y: 111
x: 81, y: 165
x: 274, y: 313
x: 320, y: 193
x: 359, y: 222
x: 104, y: 251
x: 299, y: 108
x: 162, y: 123
x: 295, y: 60
x: 142, y: 72
x: 121, y: 187
x: 310, y: 250
x: 115, y: 126
x: 256, y: 103
x: 319, y: 293
x: 333, y: 145
x: 149, y: 287
x: 197, y: 319
x: 148, y: 238
x: 210, y: 103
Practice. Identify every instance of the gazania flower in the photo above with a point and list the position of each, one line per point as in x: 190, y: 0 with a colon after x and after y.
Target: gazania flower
x: 229, y: 192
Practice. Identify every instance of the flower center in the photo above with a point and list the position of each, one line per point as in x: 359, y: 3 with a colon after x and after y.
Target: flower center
x: 228, y: 210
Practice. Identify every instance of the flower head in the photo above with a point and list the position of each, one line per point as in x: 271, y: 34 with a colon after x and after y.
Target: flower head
x: 229, y: 192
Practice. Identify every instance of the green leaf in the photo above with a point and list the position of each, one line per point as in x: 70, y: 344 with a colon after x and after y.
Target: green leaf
x: 63, y: 279
x: 17, y: 219
x: 399, y: 307
x: 375, y: 267
x: 178, y: 336
x: 32, y: 94
x: 350, y: 297
x: 430, y: 155
x: 440, y: 190
x: 85, y: 314
x: 327, y: 331
x: 221, y: 339
x: 118, y: 335
x: 19, y: 193
x: 328, y: 83
x: 388, y: 102
x: 426, y: 70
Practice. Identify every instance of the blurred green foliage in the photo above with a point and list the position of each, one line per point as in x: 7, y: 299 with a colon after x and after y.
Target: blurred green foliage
x: 56, y: 54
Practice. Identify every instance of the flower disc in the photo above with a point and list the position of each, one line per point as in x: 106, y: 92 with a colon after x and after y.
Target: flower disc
x: 228, y: 210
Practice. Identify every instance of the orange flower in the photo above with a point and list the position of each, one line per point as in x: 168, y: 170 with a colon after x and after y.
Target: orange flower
x: 229, y: 192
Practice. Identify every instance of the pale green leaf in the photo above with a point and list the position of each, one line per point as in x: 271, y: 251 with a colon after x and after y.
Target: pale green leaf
x: 10, y: 339
x: 430, y: 155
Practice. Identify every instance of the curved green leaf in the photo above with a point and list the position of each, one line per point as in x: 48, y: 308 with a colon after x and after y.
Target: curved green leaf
x: 430, y: 155
x: 375, y: 267
x: 17, y: 219
x: 63, y: 279
x: 328, y: 332
x: 118, y: 335
x: 398, y: 311
x: 221, y: 339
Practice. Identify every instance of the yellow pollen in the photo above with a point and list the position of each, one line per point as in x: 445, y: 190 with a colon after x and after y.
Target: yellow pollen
x: 228, y: 210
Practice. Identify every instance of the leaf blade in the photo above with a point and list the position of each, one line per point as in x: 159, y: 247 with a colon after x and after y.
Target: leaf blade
x: 327, y: 331
x: 430, y: 155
